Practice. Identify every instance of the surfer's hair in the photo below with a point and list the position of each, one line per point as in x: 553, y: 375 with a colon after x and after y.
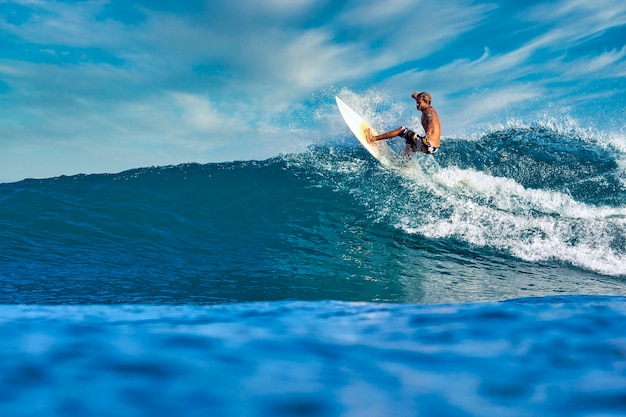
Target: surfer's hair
x: 427, y: 98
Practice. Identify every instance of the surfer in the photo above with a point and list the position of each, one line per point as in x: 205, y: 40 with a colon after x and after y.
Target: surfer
x: 429, y: 143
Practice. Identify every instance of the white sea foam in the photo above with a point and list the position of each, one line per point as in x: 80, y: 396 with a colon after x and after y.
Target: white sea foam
x: 530, y: 224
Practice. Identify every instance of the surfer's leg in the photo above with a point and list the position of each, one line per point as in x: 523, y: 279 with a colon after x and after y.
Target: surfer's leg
x: 384, y: 136
x: 393, y: 133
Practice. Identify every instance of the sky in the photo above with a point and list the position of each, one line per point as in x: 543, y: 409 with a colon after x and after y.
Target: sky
x: 101, y: 86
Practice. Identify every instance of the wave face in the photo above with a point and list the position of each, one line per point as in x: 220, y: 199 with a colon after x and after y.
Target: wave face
x: 519, y: 212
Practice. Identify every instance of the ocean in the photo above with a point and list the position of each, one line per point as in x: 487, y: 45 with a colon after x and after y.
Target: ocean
x: 488, y: 279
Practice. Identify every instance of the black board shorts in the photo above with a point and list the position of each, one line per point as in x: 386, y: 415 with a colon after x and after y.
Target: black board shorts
x: 411, y: 138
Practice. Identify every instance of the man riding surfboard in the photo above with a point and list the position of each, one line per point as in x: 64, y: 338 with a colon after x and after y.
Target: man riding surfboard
x: 429, y: 143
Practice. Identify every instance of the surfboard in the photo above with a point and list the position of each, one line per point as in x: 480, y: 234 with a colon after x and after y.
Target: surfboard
x: 379, y: 150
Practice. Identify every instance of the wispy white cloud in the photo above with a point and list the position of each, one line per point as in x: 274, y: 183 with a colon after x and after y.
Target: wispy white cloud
x: 472, y: 90
x: 63, y: 24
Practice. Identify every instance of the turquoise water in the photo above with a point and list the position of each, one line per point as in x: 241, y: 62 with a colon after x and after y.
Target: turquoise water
x: 488, y: 280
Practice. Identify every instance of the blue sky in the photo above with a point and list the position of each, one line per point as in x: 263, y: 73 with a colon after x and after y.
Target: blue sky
x: 107, y: 85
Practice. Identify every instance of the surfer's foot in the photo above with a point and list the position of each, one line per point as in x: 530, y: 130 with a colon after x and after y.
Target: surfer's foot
x: 368, y: 135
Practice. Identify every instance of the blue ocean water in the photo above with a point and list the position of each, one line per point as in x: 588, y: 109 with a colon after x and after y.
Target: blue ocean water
x: 487, y: 280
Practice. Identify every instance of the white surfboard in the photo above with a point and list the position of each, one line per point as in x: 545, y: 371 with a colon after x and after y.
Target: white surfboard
x: 379, y: 150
